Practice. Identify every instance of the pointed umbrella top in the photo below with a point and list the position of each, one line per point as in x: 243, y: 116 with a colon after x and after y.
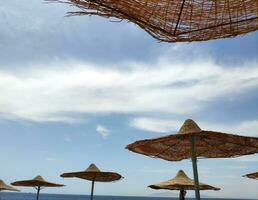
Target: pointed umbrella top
x: 189, y: 126
x: 181, y: 182
x: 37, y: 181
x: 209, y: 144
x: 39, y: 178
x: 4, y: 186
x: 92, y: 173
x: 252, y: 175
x: 92, y: 168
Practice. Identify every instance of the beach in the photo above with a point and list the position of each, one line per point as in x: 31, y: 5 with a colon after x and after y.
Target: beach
x: 129, y: 100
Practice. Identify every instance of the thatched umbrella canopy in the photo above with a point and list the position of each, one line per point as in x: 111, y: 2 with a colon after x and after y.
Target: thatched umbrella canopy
x: 181, y: 182
x: 93, y: 174
x: 192, y: 142
x: 177, y: 20
x: 4, y: 186
x: 252, y: 175
x: 38, y: 183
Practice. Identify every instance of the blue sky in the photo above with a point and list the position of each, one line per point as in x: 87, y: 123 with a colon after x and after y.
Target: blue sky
x: 77, y: 90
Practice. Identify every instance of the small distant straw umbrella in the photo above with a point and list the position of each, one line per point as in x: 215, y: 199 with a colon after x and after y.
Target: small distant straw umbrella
x: 252, y: 175
x: 192, y: 142
x: 93, y: 174
x: 38, y: 183
x: 182, y: 183
x: 177, y: 20
x: 4, y: 186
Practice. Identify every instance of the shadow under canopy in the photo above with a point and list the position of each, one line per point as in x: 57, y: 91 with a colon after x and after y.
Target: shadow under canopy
x: 192, y: 142
x: 177, y: 20
x: 93, y: 174
x: 181, y: 182
x: 38, y: 183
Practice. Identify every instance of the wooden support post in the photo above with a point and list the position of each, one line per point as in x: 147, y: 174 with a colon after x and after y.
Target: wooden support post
x: 38, y: 190
x: 92, y: 190
x: 195, y: 170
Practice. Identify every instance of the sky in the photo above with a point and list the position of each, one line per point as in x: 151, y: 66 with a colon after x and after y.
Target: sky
x: 77, y: 90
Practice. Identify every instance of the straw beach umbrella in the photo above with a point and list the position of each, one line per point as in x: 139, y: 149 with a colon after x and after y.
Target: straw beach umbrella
x: 192, y: 142
x: 93, y: 174
x: 252, y: 175
x: 177, y: 20
x: 182, y: 183
x: 4, y: 186
x: 38, y: 183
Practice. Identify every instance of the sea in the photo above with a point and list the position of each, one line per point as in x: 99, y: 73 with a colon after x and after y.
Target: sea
x: 32, y: 196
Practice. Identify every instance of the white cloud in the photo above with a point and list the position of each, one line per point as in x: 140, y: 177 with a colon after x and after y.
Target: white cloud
x: 68, y: 139
x: 155, y: 125
x: 246, y: 159
x: 57, y: 92
x: 50, y: 159
x: 248, y: 128
x: 103, y: 131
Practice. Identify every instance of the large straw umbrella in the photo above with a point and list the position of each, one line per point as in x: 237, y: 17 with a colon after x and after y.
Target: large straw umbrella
x: 252, y: 175
x: 182, y: 183
x: 192, y: 142
x: 93, y: 174
x: 178, y: 20
x: 38, y: 183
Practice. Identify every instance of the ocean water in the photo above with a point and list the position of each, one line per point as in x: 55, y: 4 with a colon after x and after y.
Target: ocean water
x: 31, y: 196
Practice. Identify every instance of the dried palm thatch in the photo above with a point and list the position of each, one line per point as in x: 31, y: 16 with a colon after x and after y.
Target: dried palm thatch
x: 192, y: 142
x: 208, y: 144
x: 252, y: 175
x: 92, y: 173
x: 4, y: 186
x: 38, y: 183
x: 181, y: 182
x: 178, y: 20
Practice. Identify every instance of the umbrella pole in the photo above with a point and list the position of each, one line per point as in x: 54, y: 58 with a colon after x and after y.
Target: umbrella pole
x: 195, y: 170
x: 92, y: 190
x: 38, y: 190
x: 180, y: 194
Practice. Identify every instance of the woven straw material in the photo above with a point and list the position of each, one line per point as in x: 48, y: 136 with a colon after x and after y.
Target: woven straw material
x: 4, y: 186
x: 181, y: 182
x: 208, y: 144
x: 252, y: 175
x: 92, y: 173
x: 178, y: 20
x: 38, y: 181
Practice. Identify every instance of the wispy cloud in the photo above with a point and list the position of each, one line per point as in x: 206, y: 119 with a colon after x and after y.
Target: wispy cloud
x: 249, y: 128
x: 155, y: 124
x: 50, y: 159
x: 103, y: 131
x: 246, y: 159
x: 59, y: 93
